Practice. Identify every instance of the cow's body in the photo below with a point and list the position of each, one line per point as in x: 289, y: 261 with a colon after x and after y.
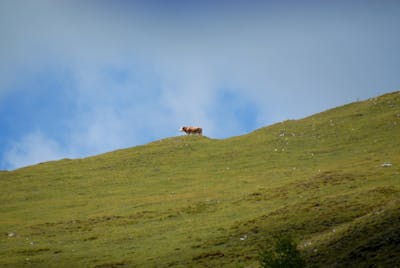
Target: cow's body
x: 192, y: 130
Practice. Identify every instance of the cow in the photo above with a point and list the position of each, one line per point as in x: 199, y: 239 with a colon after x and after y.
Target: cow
x: 192, y: 130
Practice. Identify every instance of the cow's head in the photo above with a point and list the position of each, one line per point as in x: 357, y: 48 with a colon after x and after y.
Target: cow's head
x: 181, y: 129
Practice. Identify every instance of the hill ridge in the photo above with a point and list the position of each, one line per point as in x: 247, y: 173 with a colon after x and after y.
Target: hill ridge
x: 172, y: 138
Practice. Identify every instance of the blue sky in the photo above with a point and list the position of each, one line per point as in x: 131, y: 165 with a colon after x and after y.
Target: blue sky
x: 78, y: 78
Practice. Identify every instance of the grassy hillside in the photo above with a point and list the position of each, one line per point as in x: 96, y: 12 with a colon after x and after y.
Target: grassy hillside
x: 195, y: 201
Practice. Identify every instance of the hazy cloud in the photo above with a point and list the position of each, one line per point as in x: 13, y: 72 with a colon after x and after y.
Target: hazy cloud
x: 33, y: 148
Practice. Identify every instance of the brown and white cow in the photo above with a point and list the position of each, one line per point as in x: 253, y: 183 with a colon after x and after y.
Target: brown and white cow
x: 192, y: 130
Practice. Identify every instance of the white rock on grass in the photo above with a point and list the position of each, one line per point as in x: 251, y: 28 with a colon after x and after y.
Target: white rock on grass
x: 386, y: 164
x: 11, y: 234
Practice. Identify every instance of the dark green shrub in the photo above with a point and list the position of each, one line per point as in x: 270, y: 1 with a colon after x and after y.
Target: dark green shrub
x: 283, y: 255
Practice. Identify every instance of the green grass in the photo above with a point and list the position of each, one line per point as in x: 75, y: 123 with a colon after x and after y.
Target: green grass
x: 192, y: 201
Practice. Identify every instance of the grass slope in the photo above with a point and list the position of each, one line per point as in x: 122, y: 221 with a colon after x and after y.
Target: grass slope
x: 194, y: 201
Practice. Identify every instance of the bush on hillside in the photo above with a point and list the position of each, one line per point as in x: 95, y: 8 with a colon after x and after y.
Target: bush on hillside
x: 284, y: 255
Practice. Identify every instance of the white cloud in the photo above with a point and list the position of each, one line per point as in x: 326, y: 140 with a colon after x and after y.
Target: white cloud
x: 33, y: 148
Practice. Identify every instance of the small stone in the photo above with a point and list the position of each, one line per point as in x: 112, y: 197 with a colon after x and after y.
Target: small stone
x: 386, y: 165
x: 12, y: 234
x: 307, y: 244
